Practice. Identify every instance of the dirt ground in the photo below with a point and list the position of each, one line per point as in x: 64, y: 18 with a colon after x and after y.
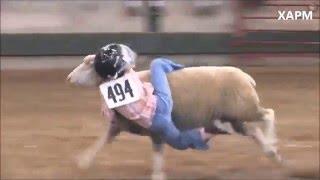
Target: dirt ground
x: 45, y: 123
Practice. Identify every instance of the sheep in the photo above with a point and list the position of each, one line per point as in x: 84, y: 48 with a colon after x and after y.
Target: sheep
x: 225, y: 98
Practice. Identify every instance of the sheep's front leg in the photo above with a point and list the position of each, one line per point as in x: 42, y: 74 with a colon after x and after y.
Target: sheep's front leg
x: 157, y: 171
x: 85, y: 159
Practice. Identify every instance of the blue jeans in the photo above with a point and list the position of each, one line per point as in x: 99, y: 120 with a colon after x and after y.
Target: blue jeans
x: 162, y: 122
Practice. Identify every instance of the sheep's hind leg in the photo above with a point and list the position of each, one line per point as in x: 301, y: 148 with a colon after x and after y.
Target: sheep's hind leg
x: 269, y: 126
x: 269, y: 149
x: 268, y: 119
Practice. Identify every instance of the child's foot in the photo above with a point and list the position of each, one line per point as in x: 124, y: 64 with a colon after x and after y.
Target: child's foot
x: 177, y: 66
x: 165, y: 64
x: 174, y: 66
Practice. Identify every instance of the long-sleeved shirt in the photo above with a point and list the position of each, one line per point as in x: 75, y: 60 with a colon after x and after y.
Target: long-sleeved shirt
x: 141, y: 111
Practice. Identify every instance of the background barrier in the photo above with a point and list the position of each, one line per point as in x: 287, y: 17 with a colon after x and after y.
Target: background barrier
x: 161, y: 43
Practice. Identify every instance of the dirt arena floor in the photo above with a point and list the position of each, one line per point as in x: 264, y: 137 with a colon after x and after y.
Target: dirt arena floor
x: 45, y: 123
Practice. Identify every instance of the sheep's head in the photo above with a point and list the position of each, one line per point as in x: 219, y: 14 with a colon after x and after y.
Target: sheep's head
x: 85, y: 74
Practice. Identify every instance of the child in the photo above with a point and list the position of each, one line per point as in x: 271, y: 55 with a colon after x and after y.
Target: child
x: 153, y: 110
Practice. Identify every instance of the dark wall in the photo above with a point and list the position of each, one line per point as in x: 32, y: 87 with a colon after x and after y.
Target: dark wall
x: 161, y: 43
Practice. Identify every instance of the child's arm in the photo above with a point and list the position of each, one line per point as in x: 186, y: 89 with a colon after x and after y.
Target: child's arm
x: 106, y: 112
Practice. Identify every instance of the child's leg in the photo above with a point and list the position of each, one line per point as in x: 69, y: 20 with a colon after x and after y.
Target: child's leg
x: 162, y: 123
x: 174, y: 137
x: 159, y: 68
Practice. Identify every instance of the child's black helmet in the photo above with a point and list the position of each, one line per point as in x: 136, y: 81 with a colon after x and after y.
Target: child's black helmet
x: 109, y: 63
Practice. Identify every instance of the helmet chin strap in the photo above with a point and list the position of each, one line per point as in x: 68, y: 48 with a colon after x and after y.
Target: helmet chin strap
x: 115, y: 76
x: 119, y: 73
x: 122, y: 70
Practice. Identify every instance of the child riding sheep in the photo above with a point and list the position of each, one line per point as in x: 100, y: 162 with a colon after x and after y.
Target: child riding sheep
x: 153, y: 109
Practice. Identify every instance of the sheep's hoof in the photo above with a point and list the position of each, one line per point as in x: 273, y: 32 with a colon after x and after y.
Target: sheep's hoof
x: 158, y: 176
x: 276, y: 157
x: 84, y: 160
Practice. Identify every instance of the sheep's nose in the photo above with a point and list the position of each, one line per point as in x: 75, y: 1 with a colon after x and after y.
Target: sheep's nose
x: 68, y: 79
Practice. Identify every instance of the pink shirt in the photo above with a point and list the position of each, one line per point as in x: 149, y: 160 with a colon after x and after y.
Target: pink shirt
x: 141, y: 111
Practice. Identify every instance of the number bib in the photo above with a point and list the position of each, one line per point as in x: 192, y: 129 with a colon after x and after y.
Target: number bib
x: 120, y: 92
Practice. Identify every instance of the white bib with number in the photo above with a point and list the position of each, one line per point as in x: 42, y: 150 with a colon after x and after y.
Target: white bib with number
x: 120, y: 92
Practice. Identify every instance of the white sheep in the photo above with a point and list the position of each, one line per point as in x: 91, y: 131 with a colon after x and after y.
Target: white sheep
x: 224, y: 97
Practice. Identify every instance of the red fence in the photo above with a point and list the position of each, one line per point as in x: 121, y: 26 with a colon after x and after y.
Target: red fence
x: 266, y: 17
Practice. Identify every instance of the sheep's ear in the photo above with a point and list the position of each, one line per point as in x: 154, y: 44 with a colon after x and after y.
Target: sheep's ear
x: 89, y: 59
x: 129, y: 55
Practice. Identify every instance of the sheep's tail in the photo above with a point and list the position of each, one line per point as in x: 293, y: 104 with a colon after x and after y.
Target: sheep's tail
x: 246, y: 76
x: 251, y: 80
x: 253, y: 84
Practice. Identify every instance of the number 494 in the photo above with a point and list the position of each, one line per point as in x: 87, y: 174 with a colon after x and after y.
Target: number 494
x: 118, y: 92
